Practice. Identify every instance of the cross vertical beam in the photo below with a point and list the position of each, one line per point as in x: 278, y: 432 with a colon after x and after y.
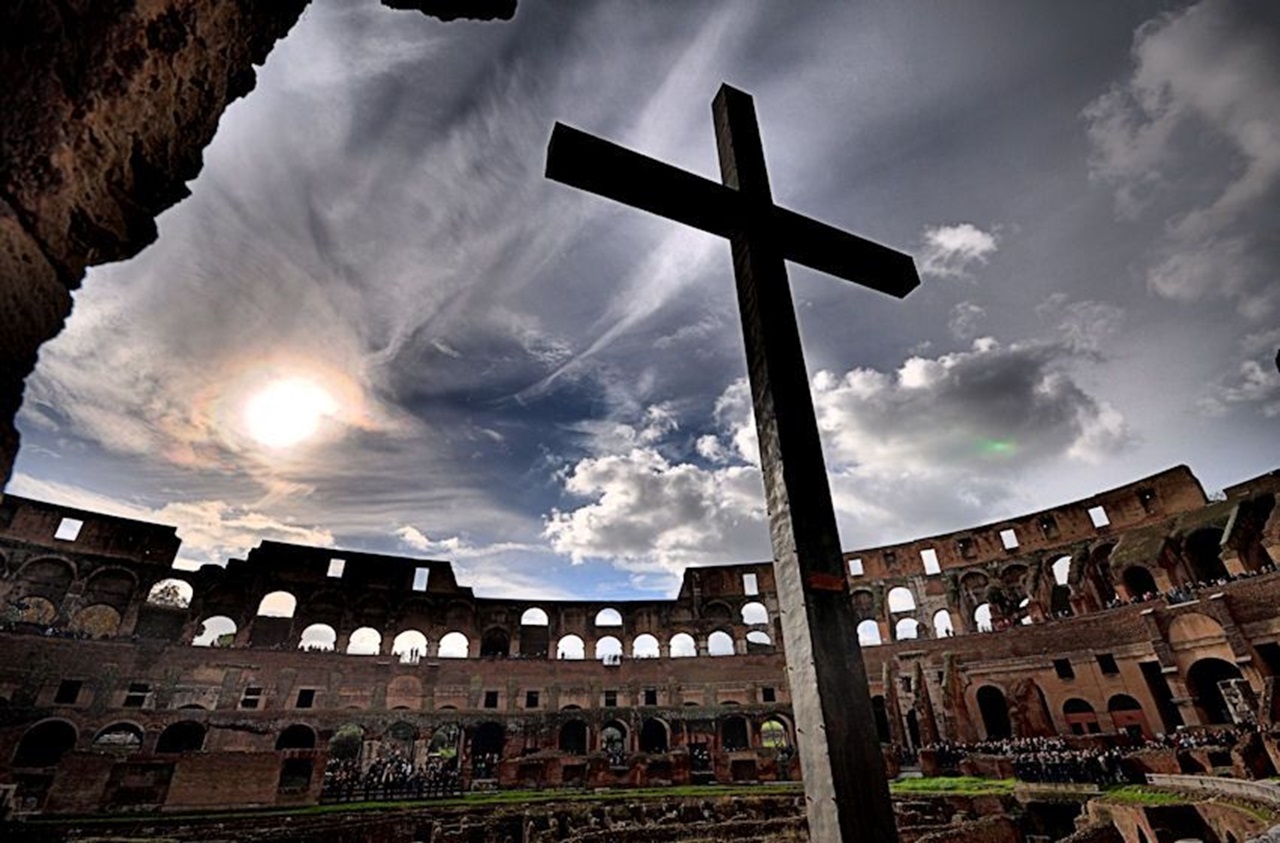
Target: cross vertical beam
x: 847, y: 795
x: 846, y: 792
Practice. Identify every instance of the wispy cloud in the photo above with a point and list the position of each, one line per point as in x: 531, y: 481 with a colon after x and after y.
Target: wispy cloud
x: 1199, y: 116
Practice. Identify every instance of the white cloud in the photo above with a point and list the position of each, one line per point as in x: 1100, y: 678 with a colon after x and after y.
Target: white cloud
x: 1199, y: 114
x: 936, y: 444
x: 647, y: 513
x: 1255, y: 383
x: 950, y: 251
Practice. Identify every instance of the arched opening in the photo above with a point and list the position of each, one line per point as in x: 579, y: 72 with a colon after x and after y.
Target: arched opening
x: 535, y: 642
x: 297, y: 736
x: 119, y: 736
x: 1061, y: 570
x: 1203, y: 550
x: 653, y: 736
x: 773, y: 734
x: 882, y: 719
x: 487, y: 743
x: 1080, y: 717
x: 444, y: 743
x: 1203, y: 681
x: 734, y: 734
x: 571, y: 647
x: 1128, y: 716
x: 982, y: 618
x: 1139, y: 582
x: 868, y: 633
x: 683, y: 646
x: 35, y: 610
x: 573, y: 738
x: 719, y: 644
x: 47, y: 578
x: 318, y: 638
x: 609, y: 650
x: 495, y: 644
x: 608, y: 617
x: 277, y: 604
x: 901, y: 600
x: 942, y: 624
x: 613, y: 742
x: 365, y: 641
x: 170, y: 594
x: 645, y: 647
x: 454, y: 645
x: 995, y: 712
x: 907, y: 628
x: 111, y: 587
x: 409, y: 646
x: 44, y: 744
x: 183, y: 736
x: 533, y: 617
x: 754, y: 613
x: 217, y: 631
x: 759, y: 641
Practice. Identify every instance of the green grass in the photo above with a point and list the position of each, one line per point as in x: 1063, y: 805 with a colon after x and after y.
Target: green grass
x: 1136, y: 794
x: 952, y: 786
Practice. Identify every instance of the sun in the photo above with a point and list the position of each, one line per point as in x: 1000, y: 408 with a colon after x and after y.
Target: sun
x: 287, y: 412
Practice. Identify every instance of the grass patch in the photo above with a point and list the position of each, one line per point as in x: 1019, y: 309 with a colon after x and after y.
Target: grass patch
x: 1137, y: 794
x: 952, y: 786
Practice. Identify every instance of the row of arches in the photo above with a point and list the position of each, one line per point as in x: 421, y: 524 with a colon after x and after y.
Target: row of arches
x: 411, y: 645
x: 44, y: 744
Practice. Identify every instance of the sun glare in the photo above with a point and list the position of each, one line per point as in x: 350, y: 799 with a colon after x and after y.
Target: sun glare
x: 288, y: 411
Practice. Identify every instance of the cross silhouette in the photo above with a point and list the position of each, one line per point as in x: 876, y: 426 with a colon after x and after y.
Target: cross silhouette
x: 846, y: 793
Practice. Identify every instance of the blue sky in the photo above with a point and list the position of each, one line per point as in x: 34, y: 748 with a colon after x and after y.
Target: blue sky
x: 547, y: 388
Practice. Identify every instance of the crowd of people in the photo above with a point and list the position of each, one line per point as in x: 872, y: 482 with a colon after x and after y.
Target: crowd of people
x: 1056, y: 759
x: 1190, y: 591
x: 391, y: 776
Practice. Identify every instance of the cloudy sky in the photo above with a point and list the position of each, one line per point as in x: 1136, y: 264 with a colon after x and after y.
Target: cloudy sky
x: 375, y: 325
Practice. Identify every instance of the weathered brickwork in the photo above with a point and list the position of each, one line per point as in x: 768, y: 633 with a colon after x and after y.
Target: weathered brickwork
x: 127, y: 684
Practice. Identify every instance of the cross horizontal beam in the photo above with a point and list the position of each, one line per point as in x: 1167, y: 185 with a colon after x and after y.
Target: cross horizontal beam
x: 581, y: 160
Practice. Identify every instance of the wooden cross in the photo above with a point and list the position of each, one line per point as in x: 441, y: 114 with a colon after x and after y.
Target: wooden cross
x: 846, y: 792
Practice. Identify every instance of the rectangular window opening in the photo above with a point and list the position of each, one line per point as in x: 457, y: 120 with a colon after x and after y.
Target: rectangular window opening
x: 1009, y: 538
x: 1063, y: 668
x: 855, y: 567
x: 306, y: 698
x: 1098, y: 515
x: 750, y: 585
x: 530, y: 699
x: 68, y: 529
x: 768, y: 694
x: 610, y: 699
x: 420, y: 578
x: 136, y: 697
x: 1147, y: 497
x: 929, y: 557
x: 1107, y: 663
x: 1049, y: 526
x: 650, y: 696
x: 252, y: 697
x: 68, y: 692
x: 336, y: 567
x: 490, y: 699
